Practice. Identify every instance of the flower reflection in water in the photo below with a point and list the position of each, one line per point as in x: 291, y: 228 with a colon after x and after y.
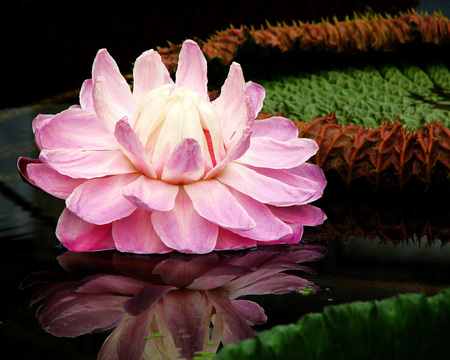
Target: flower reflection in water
x: 167, y: 306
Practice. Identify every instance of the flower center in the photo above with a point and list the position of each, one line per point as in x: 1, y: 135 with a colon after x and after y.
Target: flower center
x: 173, y: 115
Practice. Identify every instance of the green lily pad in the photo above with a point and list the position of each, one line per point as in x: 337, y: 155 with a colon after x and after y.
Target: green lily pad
x: 365, y: 96
x: 411, y: 326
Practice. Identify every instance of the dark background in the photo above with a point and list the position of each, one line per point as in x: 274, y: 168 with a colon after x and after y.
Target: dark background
x: 47, y: 47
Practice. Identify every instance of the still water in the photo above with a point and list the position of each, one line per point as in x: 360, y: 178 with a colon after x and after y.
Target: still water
x: 375, y: 244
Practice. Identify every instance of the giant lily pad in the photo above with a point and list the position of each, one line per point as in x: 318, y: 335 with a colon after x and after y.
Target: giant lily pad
x: 359, y: 87
x: 358, y: 330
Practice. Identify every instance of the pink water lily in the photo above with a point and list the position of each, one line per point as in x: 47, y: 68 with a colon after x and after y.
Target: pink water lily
x: 160, y: 167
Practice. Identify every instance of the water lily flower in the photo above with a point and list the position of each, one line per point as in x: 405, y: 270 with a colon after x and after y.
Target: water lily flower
x: 160, y: 167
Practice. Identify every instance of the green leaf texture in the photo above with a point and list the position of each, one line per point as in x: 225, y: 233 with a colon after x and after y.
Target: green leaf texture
x: 411, y: 326
x: 364, y: 95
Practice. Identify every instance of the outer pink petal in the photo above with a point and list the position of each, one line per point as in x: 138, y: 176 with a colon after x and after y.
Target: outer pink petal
x: 40, y: 121
x: 268, y: 153
x: 133, y: 148
x: 306, y: 176
x: 293, y: 238
x: 257, y: 94
x: 86, y: 100
x: 214, y: 202
x: 78, y: 235
x: 151, y: 195
x: 135, y: 234
x: 51, y: 181
x: 87, y: 164
x: 183, y: 229
x: 192, y: 69
x: 149, y: 73
x: 186, y: 164
x: 277, y: 128
x: 227, y: 240
x: 303, y: 214
x: 263, y: 188
x: 116, y: 91
x: 268, y: 227
x: 311, y: 172
x: 234, y: 106
x: 74, y: 129
x: 103, y: 106
x: 100, y: 201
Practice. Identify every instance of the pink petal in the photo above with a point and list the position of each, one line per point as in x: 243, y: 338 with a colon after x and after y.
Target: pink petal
x: 227, y: 240
x: 311, y: 172
x: 234, y: 106
x: 268, y: 227
x: 135, y: 234
x: 183, y: 229
x: 149, y: 73
x: 40, y: 121
x: 277, y: 128
x: 86, y: 100
x: 293, y: 238
x: 262, y: 188
x: 214, y: 202
x: 133, y: 148
x: 87, y: 164
x: 257, y: 94
x: 116, y: 90
x: 192, y: 69
x: 306, y: 176
x: 151, y: 195
x: 103, y: 106
x: 100, y: 201
x: 268, y: 153
x: 76, y: 129
x: 302, y: 214
x: 51, y: 181
x: 22, y: 166
x: 78, y: 235
x: 185, y: 164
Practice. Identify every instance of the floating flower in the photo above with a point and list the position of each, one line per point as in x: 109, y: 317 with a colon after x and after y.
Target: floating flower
x: 160, y: 167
